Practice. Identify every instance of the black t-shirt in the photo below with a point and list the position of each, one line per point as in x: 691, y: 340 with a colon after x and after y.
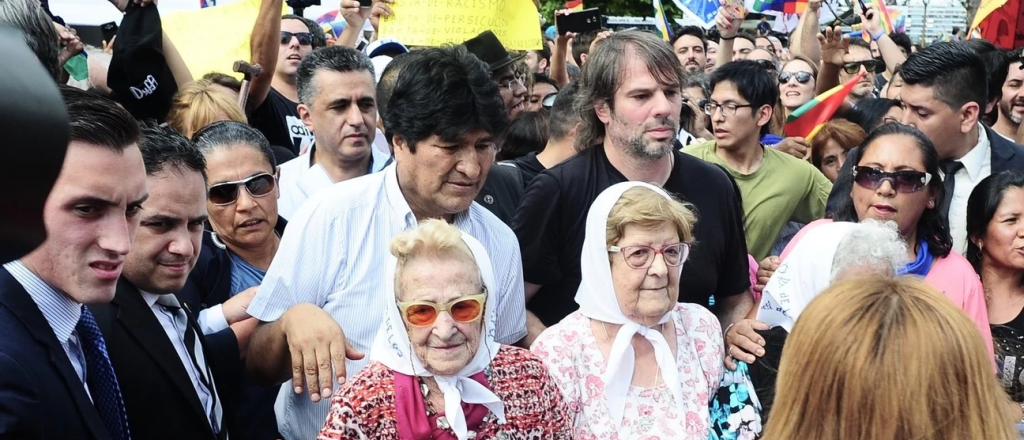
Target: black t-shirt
x: 502, y: 192
x: 529, y: 167
x: 551, y: 225
x: 1009, y: 346
x: 278, y: 119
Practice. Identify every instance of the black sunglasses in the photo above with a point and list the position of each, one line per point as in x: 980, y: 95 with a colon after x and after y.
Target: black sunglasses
x: 305, y: 38
x: 767, y: 65
x: 906, y: 181
x: 852, y: 68
x: 549, y: 100
x: 801, y: 77
x: 227, y: 193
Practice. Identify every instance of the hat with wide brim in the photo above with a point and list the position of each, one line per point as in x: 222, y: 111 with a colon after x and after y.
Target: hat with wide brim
x: 489, y: 49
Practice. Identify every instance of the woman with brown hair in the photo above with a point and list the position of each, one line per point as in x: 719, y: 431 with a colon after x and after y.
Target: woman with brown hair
x: 200, y: 104
x: 918, y: 369
x: 830, y: 145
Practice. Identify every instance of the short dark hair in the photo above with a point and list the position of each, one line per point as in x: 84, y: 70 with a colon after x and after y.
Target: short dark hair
x: 982, y: 205
x: 752, y: 81
x: 99, y: 121
x: 747, y: 36
x: 563, y: 117
x: 319, y: 39
x: 224, y: 80
x: 231, y: 133
x: 692, y: 31
x: 903, y: 41
x: 339, y: 59
x: 954, y: 71
x: 581, y: 45
x: 870, y: 111
x: 996, y: 65
x: 163, y: 148
x: 544, y: 79
x: 389, y: 77
x: 447, y: 92
x: 544, y: 53
x: 933, y: 226
x: 860, y: 43
x: 28, y: 17
x: 526, y: 133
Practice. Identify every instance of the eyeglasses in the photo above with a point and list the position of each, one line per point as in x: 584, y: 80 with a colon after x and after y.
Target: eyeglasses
x: 801, y: 77
x: 728, y: 109
x: 424, y: 313
x: 852, y: 68
x: 767, y: 65
x: 305, y: 38
x: 510, y: 84
x: 641, y: 257
x: 549, y: 100
x: 906, y: 181
x: 227, y: 193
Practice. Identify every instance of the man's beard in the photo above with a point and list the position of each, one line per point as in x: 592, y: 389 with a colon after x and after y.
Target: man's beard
x: 1007, y: 111
x: 640, y: 148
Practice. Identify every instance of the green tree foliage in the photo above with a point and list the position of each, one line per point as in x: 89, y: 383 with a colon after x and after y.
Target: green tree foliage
x: 624, y: 8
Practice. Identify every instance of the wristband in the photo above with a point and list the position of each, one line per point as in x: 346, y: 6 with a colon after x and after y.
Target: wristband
x: 727, y: 39
x: 881, y: 34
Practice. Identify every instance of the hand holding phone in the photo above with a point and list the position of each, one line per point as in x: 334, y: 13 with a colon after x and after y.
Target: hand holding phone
x: 109, y: 31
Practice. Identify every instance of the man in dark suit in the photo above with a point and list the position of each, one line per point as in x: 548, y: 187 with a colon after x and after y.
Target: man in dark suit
x: 172, y: 376
x: 944, y: 96
x: 56, y: 379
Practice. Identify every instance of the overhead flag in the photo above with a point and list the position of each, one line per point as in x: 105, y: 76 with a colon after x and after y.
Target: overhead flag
x: 885, y: 19
x: 807, y: 120
x: 784, y: 6
x: 661, y: 21
x: 574, y: 5
x: 704, y: 11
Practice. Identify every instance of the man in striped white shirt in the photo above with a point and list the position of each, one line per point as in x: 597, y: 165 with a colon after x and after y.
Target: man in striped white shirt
x: 323, y: 298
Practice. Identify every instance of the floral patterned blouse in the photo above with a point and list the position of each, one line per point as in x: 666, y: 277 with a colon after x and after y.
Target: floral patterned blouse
x: 364, y: 408
x: 571, y: 352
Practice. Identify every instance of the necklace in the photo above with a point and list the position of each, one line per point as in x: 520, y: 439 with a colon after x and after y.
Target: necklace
x: 442, y: 421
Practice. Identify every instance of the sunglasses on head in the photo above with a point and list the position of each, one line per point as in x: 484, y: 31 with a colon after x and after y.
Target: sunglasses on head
x: 801, y: 77
x: 906, y: 181
x: 767, y: 65
x: 852, y: 68
x: 227, y: 193
x: 305, y: 38
x: 424, y: 313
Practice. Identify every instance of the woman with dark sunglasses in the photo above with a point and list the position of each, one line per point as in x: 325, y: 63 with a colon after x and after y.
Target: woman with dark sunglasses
x: 796, y: 83
x: 241, y: 239
x: 436, y: 371
x: 633, y: 362
x: 896, y: 179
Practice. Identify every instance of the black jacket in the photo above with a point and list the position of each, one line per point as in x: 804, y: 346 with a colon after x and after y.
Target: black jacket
x: 158, y: 393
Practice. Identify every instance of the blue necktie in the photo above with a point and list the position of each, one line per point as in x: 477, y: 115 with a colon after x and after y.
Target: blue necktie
x: 106, y: 394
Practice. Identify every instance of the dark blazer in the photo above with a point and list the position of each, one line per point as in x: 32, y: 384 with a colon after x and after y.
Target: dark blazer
x: 1006, y: 155
x: 209, y: 284
x: 41, y: 396
x: 158, y: 393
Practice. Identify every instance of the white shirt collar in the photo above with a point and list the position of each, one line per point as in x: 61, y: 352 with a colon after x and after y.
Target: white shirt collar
x: 393, y: 192
x: 150, y: 298
x: 975, y: 159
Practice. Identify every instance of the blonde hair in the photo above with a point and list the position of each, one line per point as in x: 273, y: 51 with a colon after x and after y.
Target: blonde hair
x: 648, y: 209
x: 432, y: 238
x: 199, y: 104
x: 891, y: 359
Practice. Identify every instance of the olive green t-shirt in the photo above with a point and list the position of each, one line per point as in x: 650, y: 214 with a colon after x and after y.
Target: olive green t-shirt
x: 781, y: 190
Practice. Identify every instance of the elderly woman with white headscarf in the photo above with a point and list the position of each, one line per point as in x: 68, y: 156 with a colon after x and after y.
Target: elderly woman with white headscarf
x: 634, y: 363
x: 437, y: 372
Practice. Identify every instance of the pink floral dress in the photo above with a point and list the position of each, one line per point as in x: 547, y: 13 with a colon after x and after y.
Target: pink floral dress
x: 571, y: 353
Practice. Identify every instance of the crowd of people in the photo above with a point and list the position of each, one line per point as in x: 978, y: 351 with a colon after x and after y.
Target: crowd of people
x: 610, y: 237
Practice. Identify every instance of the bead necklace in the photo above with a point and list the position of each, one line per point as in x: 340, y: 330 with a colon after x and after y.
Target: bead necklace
x: 442, y: 421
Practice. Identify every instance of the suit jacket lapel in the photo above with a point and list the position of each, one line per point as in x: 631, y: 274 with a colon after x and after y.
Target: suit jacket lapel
x: 141, y: 323
x: 14, y: 296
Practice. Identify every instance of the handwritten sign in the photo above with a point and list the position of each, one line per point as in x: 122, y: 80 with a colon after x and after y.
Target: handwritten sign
x: 211, y: 39
x: 439, y: 22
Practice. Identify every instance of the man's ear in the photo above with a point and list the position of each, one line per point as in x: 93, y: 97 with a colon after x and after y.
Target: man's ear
x: 306, y: 115
x: 603, y: 110
x: 542, y: 65
x: 764, y: 115
x: 970, y: 114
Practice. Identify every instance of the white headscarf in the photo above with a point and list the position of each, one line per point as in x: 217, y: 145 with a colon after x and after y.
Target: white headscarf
x: 597, y: 300
x: 393, y: 349
x: 805, y: 273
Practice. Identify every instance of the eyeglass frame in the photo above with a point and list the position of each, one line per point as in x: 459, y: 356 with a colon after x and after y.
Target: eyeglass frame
x: 480, y: 298
x: 521, y: 79
x: 684, y: 248
x: 710, y: 107
x: 296, y: 35
x: 243, y: 183
x: 859, y: 64
x: 795, y: 75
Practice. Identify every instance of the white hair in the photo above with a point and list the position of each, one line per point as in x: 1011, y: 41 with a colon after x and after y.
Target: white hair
x: 870, y: 247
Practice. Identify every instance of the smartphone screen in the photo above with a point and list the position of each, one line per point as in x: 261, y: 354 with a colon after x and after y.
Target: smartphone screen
x: 580, y: 21
x: 109, y: 31
x: 365, y: 3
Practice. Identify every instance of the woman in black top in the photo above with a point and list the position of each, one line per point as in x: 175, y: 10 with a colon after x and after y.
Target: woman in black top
x: 995, y: 225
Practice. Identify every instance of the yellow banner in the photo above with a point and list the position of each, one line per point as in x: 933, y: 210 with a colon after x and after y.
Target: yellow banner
x: 985, y: 9
x: 212, y: 39
x: 439, y: 22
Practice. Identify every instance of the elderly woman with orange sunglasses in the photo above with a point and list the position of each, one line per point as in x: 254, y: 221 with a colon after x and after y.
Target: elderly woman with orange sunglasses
x: 437, y: 372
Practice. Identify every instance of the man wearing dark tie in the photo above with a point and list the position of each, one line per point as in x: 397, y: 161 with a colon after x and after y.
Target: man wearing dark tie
x: 56, y: 379
x: 168, y: 370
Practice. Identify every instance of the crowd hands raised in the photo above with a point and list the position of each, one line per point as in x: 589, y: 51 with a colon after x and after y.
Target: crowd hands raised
x: 615, y: 243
